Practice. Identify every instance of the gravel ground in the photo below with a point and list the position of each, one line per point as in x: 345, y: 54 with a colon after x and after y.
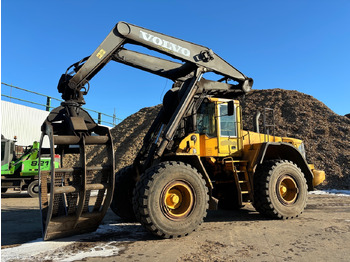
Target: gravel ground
x: 321, y: 233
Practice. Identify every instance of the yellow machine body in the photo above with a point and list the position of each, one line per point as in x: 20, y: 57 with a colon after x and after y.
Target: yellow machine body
x: 225, y: 138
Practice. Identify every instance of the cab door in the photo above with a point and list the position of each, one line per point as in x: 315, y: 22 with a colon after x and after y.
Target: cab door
x: 227, y: 130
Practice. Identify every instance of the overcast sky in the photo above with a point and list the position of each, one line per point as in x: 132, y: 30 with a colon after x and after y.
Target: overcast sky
x: 290, y: 44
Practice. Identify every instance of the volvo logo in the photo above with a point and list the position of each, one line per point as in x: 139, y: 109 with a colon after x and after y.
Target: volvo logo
x: 165, y: 44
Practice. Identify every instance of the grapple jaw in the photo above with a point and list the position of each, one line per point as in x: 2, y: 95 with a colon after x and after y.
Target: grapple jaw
x: 67, y: 204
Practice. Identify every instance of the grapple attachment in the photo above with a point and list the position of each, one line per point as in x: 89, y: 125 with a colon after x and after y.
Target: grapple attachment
x: 75, y: 197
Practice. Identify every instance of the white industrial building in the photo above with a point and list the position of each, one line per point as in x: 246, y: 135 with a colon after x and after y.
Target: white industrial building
x: 23, y: 122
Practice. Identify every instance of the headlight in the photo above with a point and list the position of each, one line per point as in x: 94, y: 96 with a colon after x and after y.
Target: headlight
x: 247, y: 85
x: 302, y: 150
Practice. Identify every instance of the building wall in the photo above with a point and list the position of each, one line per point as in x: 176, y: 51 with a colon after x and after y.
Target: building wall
x: 22, y: 121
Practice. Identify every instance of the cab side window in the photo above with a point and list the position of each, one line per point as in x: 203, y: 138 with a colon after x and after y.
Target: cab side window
x: 228, y: 125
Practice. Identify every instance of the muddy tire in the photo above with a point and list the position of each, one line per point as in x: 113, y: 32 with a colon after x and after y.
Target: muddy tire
x: 171, y: 199
x: 280, y: 189
x: 123, y: 191
x: 33, y: 189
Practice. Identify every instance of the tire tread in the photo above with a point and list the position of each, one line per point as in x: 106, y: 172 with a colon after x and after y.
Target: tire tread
x: 141, y: 194
x: 262, y: 200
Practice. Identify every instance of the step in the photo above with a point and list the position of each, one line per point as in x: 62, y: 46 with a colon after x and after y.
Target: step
x: 225, y: 182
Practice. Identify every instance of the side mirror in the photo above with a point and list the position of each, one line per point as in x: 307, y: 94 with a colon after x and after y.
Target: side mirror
x: 230, y: 108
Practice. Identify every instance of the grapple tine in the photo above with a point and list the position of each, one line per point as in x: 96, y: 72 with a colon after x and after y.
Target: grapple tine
x: 82, y: 192
x: 65, y: 192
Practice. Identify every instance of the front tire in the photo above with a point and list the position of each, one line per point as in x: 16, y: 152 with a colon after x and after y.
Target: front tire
x: 280, y: 189
x: 33, y: 189
x: 171, y: 199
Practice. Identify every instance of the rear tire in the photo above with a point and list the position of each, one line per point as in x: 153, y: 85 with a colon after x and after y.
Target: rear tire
x: 123, y: 191
x: 171, y: 199
x: 280, y: 189
x: 33, y: 189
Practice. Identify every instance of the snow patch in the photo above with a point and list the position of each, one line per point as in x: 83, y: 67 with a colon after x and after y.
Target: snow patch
x: 30, y: 249
x: 336, y: 192
x: 77, y: 247
x: 104, y: 250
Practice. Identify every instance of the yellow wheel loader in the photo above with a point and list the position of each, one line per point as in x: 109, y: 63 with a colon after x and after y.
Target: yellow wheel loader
x: 195, y: 156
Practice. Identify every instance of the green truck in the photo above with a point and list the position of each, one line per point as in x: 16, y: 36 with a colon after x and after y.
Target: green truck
x: 20, y: 171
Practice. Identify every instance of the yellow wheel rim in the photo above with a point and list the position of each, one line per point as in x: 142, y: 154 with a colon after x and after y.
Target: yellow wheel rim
x: 288, y: 190
x: 177, y: 200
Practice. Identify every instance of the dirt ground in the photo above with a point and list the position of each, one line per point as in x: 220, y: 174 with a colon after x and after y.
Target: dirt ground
x: 321, y: 233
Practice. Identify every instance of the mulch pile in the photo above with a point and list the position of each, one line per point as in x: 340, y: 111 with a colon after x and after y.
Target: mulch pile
x: 325, y: 134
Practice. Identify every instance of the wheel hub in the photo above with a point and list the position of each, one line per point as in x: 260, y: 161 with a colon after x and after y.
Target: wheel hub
x: 173, y: 198
x: 177, y: 200
x: 36, y: 189
x: 287, y: 190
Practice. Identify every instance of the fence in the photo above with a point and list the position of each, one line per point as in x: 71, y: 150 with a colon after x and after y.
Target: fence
x: 48, y: 106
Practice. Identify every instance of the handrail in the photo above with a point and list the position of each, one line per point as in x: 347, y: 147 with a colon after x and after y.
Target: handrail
x: 49, y: 107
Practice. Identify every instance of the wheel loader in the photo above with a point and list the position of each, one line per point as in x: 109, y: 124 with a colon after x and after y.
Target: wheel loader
x: 195, y: 156
x: 20, y: 171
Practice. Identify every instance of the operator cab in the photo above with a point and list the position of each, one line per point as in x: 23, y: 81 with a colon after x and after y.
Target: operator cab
x: 218, y: 129
x: 7, y: 151
x: 218, y: 124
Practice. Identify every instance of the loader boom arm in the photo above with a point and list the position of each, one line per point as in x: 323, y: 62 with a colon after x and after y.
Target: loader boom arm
x: 191, y: 55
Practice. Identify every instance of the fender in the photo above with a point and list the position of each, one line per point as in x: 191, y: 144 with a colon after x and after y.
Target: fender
x: 281, y: 150
x: 196, y: 162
